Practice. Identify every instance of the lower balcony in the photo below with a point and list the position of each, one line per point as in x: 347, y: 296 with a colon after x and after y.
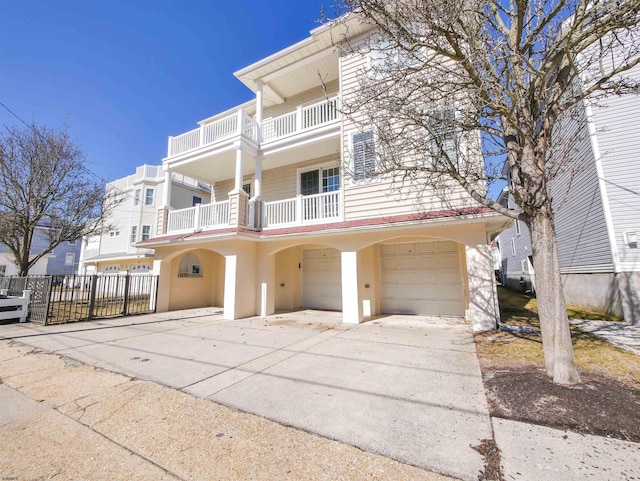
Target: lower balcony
x: 206, y: 216
x: 298, y: 211
x: 302, y: 210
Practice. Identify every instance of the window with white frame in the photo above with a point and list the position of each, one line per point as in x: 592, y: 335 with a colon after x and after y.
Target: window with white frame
x: 364, y: 155
x: 114, y: 233
x: 517, y: 227
x: 247, y: 188
x: 148, y: 196
x: 524, y: 263
x: 513, y: 246
x: 69, y: 259
x: 134, y: 234
x: 146, y: 232
x: 195, y: 200
x: 319, y: 179
x: 136, y: 197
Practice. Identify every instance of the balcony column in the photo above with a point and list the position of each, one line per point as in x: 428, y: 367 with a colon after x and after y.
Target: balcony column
x: 166, y: 188
x: 163, y: 211
x: 257, y: 187
x: 238, y: 180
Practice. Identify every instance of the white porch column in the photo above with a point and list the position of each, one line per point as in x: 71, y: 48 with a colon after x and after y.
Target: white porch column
x: 162, y: 268
x: 258, y: 174
x: 238, y: 184
x: 259, y: 108
x: 265, y: 285
x: 166, y: 188
x: 240, y: 282
x: 230, y: 274
x: 351, y: 307
x: 483, y: 310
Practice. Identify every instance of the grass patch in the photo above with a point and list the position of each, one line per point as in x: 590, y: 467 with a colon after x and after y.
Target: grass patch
x: 593, y: 355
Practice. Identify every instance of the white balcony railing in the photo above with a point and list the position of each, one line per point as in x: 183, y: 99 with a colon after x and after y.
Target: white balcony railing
x: 143, y: 172
x: 239, y: 123
x: 302, y: 119
x: 300, y: 210
x: 198, y: 217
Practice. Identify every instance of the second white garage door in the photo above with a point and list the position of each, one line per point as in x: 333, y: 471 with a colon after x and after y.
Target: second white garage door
x: 321, y: 279
x: 422, y: 278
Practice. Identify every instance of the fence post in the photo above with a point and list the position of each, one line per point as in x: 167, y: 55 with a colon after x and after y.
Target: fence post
x: 48, y: 293
x: 155, y: 297
x: 92, y: 296
x: 125, y: 307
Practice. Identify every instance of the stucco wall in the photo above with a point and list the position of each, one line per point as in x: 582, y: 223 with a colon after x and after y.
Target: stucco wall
x: 288, y: 279
x: 190, y: 292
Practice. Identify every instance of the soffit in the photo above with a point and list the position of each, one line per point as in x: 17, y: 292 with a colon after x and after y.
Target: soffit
x: 301, y: 67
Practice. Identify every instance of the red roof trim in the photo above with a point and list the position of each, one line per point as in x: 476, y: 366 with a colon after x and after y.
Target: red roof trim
x: 376, y: 221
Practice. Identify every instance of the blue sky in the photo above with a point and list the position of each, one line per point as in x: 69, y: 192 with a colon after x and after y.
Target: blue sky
x: 124, y: 75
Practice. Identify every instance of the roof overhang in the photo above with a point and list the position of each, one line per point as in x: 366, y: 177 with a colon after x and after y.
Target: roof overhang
x: 305, y: 65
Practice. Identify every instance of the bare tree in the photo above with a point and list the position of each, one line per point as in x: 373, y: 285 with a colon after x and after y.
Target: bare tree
x: 458, y: 92
x: 45, y: 186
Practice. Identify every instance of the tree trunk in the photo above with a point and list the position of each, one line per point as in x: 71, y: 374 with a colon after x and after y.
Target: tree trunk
x: 559, y: 357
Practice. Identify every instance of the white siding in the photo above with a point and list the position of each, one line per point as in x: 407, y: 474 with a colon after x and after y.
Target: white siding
x: 579, y: 217
x: 383, y: 197
x: 618, y: 136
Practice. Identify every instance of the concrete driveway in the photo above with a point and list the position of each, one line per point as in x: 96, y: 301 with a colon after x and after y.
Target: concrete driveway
x: 405, y: 387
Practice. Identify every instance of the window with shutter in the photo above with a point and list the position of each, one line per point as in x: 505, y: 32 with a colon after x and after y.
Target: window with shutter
x: 443, y: 142
x: 364, y: 157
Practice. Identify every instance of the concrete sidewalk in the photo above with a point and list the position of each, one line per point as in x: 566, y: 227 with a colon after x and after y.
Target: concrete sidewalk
x: 61, y: 419
x: 622, y: 334
x: 408, y: 388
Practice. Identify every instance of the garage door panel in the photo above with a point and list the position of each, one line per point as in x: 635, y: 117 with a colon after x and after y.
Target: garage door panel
x: 422, y: 278
x: 321, y: 279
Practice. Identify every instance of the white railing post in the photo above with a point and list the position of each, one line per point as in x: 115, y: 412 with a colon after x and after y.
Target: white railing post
x: 240, y: 121
x: 196, y: 217
x: 299, y: 118
x: 201, y: 136
x: 298, y: 209
x: 169, y: 146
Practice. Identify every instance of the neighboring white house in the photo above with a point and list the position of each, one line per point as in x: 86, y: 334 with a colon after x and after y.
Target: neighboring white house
x: 135, y: 217
x: 288, y: 229
x: 516, y: 258
x: 597, y: 208
x: 62, y: 260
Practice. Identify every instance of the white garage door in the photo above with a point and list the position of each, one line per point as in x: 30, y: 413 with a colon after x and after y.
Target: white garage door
x: 422, y: 278
x: 321, y: 279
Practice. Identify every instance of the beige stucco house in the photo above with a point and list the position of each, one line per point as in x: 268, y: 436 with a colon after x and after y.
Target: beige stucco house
x: 289, y: 227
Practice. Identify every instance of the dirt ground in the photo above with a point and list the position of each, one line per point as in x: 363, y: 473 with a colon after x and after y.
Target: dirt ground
x: 605, y: 403
x: 598, y: 405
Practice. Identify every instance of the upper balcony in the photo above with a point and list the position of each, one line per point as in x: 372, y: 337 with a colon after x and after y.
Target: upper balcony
x: 208, y: 152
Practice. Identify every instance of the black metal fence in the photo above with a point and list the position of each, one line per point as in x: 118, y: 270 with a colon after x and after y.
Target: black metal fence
x: 61, y: 299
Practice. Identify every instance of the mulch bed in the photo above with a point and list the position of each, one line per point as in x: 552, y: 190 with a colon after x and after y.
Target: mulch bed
x: 597, y: 405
